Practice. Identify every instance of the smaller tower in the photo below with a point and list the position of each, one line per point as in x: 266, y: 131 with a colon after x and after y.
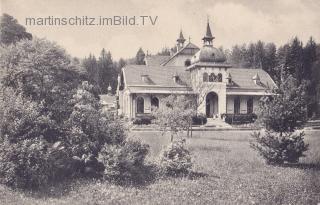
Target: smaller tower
x: 208, y: 38
x: 180, y: 41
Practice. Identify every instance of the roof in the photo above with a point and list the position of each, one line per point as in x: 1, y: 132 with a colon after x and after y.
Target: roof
x: 156, y: 59
x: 242, y: 78
x: 208, y: 35
x: 158, y: 76
x: 160, y: 79
x: 188, y: 46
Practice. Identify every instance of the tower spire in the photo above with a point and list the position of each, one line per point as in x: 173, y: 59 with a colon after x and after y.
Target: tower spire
x: 180, y: 41
x: 208, y: 37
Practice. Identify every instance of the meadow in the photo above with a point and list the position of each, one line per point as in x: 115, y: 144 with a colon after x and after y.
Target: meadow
x: 229, y: 172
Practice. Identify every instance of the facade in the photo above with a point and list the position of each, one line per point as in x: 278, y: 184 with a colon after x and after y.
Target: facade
x: 203, y: 72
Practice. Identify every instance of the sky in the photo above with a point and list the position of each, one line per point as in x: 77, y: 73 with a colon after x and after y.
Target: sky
x: 232, y: 22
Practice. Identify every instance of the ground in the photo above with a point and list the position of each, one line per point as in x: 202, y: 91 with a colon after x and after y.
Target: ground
x: 233, y: 174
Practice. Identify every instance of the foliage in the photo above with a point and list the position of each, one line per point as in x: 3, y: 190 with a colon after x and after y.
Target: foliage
x: 199, y: 119
x: 144, y: 120
x: 90, y: 128
x: 282, y: 114
x: 239, y: 118
x: 284, y: 111
x: 175, y: 159
x: 11, y: 31
x: 32, y: 163
x: 43, y: 103
x: 277, y: 148
x: 124, y: 161
x: 176, y: 115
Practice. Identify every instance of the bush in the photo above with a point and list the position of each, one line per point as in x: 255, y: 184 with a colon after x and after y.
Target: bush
x: 277, y: 149
x: 145, y: 120
x: 239, y: 118
x: 123, y: 162
x: 32, y: 163
x: 175, y: 159
x: 199, y: 120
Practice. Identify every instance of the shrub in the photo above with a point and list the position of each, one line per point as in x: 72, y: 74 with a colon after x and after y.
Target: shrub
x: 145, y: 120
x: 175, y: 159
x: 277, y: 149
x: 239, y: 118
x: 123, y: 162
x: 199, y: 120
x: 32, y: 163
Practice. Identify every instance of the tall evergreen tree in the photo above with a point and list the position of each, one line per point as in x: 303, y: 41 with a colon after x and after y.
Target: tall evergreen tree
x: 294, y: 60
x: 140, y: 57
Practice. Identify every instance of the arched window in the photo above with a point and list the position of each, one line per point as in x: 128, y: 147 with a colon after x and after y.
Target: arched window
x: 236, y: 105
x: 140, y: 105
x: 219, y: 77
x: 187, y: 63
x: 205, y: 77
x: 250, y: 105
x: 212, y: 77
x: 154, y: 102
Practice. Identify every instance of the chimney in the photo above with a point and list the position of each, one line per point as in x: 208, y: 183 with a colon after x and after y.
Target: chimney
x: 144, y: 78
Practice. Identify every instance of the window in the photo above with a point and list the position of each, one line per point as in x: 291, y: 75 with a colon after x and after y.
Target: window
x: 250, y: 105
x: 154, y: 102
x: 236, y: 105
x: 205, y: 77
x: 187, y: 63
x: 140, y: 105
x: 219, y: 77
x: 212, y: 77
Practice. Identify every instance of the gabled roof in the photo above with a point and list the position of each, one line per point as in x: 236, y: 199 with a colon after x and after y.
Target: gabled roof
x: 242, y: 78
x: 188, y: 46
x: 157, y: 76
x: 155, y: 60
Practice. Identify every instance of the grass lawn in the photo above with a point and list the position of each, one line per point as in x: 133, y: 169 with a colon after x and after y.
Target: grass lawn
x: 234, y: 175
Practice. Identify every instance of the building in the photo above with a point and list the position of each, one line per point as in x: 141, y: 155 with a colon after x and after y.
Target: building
x: 202, y: 72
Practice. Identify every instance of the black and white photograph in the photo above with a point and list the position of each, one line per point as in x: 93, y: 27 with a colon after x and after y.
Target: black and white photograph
x: 178, y: 102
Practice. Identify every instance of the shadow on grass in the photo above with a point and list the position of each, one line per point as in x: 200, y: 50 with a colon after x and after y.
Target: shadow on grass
x: 305, y: 166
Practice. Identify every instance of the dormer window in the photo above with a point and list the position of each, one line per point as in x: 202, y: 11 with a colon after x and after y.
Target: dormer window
x: 256, y: 79
x: 187, y: 63
x: 175, y: 78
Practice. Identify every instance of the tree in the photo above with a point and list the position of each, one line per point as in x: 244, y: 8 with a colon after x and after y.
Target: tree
x: 281, y: 114
x: 11, y: 31
x: 294, y: 57
x: 140, y: 57
x: 176, y: 115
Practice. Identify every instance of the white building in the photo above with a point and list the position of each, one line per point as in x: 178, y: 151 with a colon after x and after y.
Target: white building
x: 203, y: 72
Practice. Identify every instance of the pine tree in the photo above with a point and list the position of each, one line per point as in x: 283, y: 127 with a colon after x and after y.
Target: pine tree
x: 140, y: 57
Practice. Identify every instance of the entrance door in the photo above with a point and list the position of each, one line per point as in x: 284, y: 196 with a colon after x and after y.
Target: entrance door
x: 211, y: 104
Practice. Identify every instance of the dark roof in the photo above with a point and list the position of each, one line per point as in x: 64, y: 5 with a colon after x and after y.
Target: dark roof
x: 181, y: 38
x: 156, y: 59
x: 156, y: 76
x: 242, y: 78
x: 208, y: 35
